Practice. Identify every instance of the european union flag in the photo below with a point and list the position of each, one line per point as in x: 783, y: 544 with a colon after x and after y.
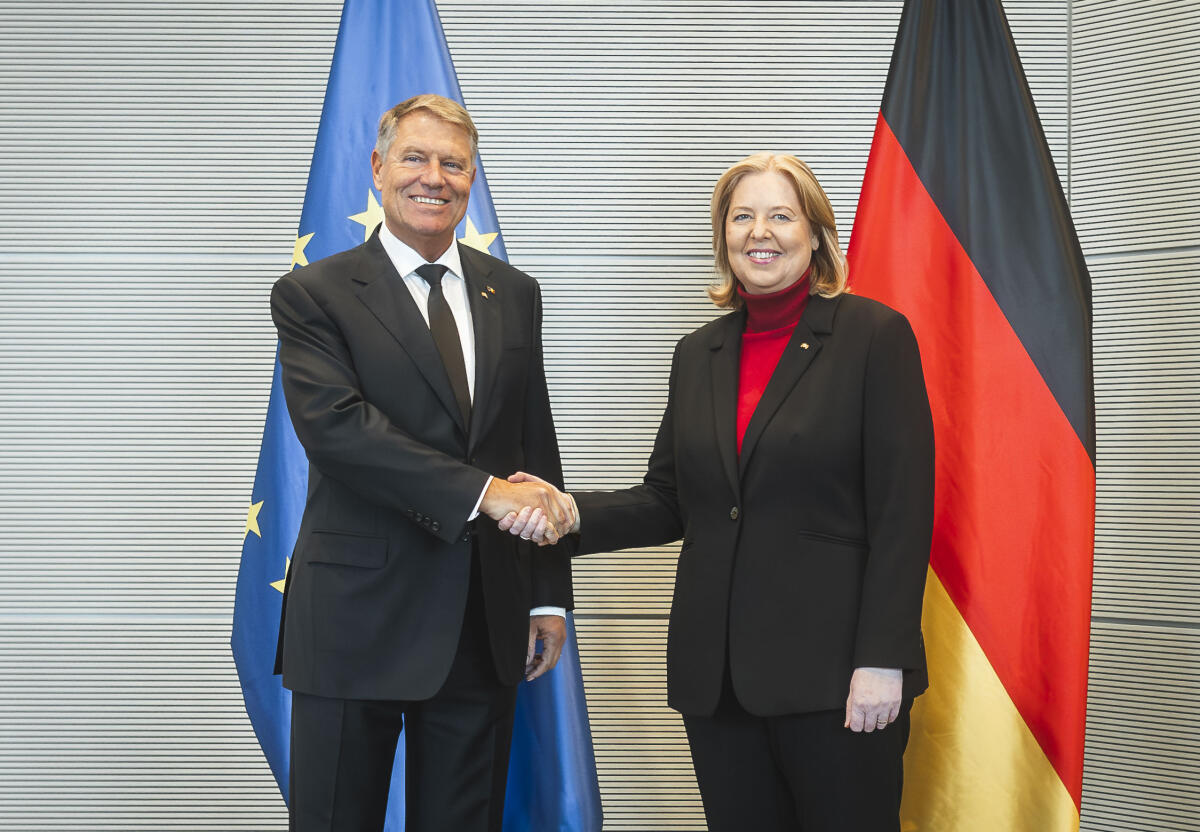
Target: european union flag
x: 387, y: 51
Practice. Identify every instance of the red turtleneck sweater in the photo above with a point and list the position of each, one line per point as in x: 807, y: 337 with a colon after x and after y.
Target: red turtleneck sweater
x: 770, y: 321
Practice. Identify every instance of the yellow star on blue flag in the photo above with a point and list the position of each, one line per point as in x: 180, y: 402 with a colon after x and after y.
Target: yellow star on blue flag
x: 298, y: 256
x: 282, y: 582
x: 477, y: 241
x: 252, y: 518
x: 370, y: 216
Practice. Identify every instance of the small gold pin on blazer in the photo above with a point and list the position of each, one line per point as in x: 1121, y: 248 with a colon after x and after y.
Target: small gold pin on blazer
x: 483, y: 295
x: 491, y: 290
x: 803, y: 345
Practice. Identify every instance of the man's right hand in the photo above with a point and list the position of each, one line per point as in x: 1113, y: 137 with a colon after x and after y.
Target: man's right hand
x: 530, y: 522
x: 533, y: 498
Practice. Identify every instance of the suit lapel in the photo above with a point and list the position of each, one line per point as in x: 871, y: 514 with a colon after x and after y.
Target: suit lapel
x: 487, y: 323
x: 801, y: 349
x: 385, y: 295
x: 726, y: 347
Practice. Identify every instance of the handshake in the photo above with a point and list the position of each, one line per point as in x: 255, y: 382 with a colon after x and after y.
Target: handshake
x: 530, y: 507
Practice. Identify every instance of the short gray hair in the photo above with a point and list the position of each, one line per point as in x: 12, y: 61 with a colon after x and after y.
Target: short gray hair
x: 436, y: 105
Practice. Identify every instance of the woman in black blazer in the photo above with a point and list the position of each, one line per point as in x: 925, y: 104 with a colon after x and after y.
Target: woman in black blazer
x: 795, y: 459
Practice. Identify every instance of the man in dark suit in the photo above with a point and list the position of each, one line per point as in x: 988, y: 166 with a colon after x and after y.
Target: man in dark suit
x: 412, y: 368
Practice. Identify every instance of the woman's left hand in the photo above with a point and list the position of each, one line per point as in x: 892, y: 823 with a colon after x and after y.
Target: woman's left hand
x: 874, y: 700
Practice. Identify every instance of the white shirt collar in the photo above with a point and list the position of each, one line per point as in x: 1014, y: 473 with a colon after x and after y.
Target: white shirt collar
x: 406, y: 260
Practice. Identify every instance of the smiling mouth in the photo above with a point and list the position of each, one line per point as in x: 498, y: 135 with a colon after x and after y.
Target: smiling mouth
x: 429, y: 200
x: 762, y: 255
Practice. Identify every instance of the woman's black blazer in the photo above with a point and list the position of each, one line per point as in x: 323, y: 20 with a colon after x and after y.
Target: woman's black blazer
x: 805, y: 557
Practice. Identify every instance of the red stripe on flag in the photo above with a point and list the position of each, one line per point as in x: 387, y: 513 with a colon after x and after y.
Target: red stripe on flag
x: 1015, y: 488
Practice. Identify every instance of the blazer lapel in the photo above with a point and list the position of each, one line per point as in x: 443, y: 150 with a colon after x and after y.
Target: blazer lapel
x: 726, y: 346
x: 801, y: 349
x: 487, y: 321
x: 385, y: 295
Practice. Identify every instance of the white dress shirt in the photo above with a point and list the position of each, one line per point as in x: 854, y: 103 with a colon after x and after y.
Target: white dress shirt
x: 454, y: 288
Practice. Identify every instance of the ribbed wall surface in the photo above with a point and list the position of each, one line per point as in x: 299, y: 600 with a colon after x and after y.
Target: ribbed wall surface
x: 1135, y: 167
x: 152, y: 162
x: 127, y: 724
x: 1134, y: 155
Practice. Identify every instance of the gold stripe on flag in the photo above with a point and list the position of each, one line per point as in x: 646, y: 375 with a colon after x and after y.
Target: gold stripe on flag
x: 972, y: 762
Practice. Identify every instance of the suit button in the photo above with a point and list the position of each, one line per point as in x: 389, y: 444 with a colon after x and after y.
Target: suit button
x: 733, y: 513
x: 436, y: 526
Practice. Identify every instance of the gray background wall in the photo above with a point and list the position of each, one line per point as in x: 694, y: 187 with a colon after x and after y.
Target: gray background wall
x: 152, y: 165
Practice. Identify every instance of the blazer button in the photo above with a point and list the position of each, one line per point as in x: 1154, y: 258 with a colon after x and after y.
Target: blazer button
x: 436, y: 526
x: 733, y: 513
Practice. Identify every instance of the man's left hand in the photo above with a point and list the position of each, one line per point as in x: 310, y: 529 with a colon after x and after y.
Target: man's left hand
x: 552, y: 630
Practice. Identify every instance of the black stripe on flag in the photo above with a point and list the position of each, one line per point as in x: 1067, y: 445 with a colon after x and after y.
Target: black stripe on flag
x: 958, y: 102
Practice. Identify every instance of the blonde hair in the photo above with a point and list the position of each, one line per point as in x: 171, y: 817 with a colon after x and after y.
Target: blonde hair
x: 827, y: 274
x: 436, y: 105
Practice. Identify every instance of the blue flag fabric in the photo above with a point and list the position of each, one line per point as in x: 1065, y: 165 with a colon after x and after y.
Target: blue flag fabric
x: 387, y: 51
x: 280, y: 484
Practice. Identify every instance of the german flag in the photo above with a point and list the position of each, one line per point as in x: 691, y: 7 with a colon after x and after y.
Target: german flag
x: 963, y: 227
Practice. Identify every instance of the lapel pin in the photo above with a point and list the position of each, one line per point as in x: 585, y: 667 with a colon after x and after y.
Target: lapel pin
x: 483, y: 295
x: 803, y: 345
x: 491, y: 290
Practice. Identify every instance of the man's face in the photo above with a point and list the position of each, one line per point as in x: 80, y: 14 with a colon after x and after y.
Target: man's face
x: 425, y: 181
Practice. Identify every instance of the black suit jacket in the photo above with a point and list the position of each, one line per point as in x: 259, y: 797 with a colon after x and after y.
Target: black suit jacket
x: 377, y: 588
x: 806, y: 556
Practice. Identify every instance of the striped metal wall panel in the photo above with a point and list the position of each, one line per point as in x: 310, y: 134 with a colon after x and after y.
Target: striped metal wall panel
x: 1133, y: 152
x: 641, y: 748
x: 1148, y: 425
x: 152, y: 163
x: 1142, y: 773
x: 1135, y: 167
x: 122, y: 724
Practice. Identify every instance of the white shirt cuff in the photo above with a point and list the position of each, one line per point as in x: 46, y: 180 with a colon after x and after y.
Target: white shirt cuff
x: 479, y: 502
x: 561, y: 612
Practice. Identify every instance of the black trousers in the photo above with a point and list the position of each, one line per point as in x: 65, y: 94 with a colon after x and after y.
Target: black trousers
x: 456, y: 749
x: 798, y: 772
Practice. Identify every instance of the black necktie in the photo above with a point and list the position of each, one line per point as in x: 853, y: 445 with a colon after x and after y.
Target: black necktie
x: 445, y: 336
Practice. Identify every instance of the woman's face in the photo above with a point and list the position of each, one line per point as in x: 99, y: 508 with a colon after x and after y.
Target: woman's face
x: 770, y: 240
